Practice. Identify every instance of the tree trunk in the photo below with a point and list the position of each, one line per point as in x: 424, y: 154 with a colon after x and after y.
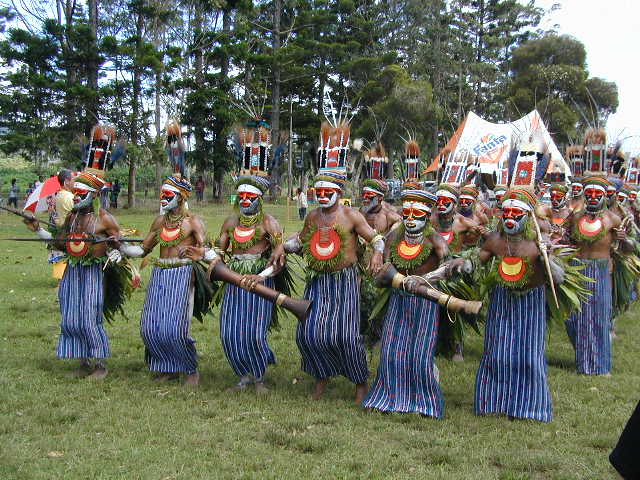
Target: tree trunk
x: 275, y: 92
x: 135, y: 107
x: 94, y: 64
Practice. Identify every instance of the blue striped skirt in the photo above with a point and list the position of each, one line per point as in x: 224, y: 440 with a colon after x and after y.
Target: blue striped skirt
x: 329, y: 340
x: 244, y: 323
x: 512, y: 377
x: 81, y: 296
x: 166, y: 320
x: 589, y: 330
x: 405, y: 381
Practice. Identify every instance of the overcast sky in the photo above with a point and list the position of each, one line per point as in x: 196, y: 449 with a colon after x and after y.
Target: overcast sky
x: 610, y: 32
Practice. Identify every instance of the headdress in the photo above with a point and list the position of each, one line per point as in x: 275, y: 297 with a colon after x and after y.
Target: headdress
x: 469, y: 191
x: 574, y: 156
x: 102, y: 151
x: 519, y: 198
x: 179, y: 185
x: 617, y: 160
x: 455, y: 170
x: 377, y: 186
x: 333, y: 147
x: 89, y: 181
x: 595, y: 141
x: 330, y: 179
x: 528, y: 165
x: 418, y: 195
x: 559, y: 187
x: 597, y: 181
x: 252, y: 184
x: 175, y: 147
x: 445, y: 190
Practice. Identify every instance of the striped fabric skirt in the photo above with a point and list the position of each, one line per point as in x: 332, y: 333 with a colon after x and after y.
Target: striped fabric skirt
x: 406, y: 381
x: 81, y: 296
x: 329, y: 340
x: 244, y: 323
x: 166, y: 320
x: 512, y: 377
x: 589, y: 330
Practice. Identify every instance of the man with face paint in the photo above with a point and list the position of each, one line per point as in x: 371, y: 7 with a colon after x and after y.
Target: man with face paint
x: 576, y: 202
x: 166, y: 317
x: 81, y: 291
x: 496, y: 211
x: 593, y: 231
x: 254, y: 240
x: 558, y: 212
x: 406, y: 379
x: 467, y: 207
x: 379, y: 214
x: 329, y: 340
x: 513, y: 360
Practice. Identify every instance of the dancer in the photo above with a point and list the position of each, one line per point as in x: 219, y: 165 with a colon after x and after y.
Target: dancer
x: 406, y: 379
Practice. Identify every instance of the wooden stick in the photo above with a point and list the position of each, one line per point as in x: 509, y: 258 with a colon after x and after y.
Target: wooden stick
x: 545, y: 256
x: 29, y: 216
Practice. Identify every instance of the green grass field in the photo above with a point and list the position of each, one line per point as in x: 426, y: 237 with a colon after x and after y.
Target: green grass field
x: 54, y: 427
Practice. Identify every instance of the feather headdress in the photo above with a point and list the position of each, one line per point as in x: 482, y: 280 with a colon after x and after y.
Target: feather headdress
x: 101, y: 150
x: 174, y: 147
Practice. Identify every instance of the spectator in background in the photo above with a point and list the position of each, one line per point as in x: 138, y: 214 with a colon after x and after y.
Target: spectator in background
x: 38, y: 182
x: 200, y: 189
x: 13, y: 193
x: 301, y: 201
x: 115, y: 191
x: 29, y: 191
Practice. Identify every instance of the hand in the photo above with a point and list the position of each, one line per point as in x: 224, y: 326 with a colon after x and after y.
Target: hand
x: 411, y: 284
x: 249, y: 282
x: 482, y: 230
x: 375, y: 264
x: 32, y: 224
x: 621, y: 234
x: 194, y: 253
x: 278, y: 258
x: 459, y: 265
x: 114, y: 256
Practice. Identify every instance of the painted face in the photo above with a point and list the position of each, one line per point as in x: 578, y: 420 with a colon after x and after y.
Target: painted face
x: 370, y: 201
x: 514, y: 220
x: 445, y: 205
x: 415, y: 216
x: 576, y: 189
x: 326, y: 196
x: 558, y: 199
x: 249, y: 203
x: 465, y: 205
x: 499, y: 197
x: 633, y: 196
x: 595, y: 198
x: 622, y: 198
x: 169, y: 200
x: 82, y: 198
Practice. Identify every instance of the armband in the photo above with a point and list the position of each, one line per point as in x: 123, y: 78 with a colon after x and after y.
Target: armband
x: 133, y: 251
x: 43, y: 234
x: 377, y: 242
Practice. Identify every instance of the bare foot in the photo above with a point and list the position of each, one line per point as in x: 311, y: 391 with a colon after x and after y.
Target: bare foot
x: 192, y: 380
x: 81, y: 372
x: 99, y: 373
x: 166, y: 377
x: 457, y: 357
x: 320, y: 387
x: 361, y: 392
x: 261, y: 389
x: 608, y: 374
x: 236, y: 388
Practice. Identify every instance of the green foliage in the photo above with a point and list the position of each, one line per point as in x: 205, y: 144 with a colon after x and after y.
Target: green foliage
x: 57, y: 427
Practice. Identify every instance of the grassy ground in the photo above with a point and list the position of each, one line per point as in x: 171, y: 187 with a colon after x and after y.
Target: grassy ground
x: 128, y: 427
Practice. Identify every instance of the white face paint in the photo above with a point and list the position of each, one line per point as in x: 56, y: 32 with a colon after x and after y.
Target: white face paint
x: 415, y: 216
x: 326, y: 196
x: 169, y: 200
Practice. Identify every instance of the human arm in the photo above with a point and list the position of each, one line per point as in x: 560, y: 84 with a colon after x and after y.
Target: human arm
x: 277, y: 259
x: 363, y: 229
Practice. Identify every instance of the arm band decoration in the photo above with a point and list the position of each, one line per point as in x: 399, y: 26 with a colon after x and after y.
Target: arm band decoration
x: 377, y: 242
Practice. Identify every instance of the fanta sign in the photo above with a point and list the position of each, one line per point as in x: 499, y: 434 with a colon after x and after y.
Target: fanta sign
x: 489, y: 144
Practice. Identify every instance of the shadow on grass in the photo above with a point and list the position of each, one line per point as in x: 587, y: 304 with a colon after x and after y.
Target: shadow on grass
x: 563, y: 363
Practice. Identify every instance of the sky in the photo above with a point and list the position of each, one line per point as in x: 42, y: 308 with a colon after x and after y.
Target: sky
x: 610, y: 32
